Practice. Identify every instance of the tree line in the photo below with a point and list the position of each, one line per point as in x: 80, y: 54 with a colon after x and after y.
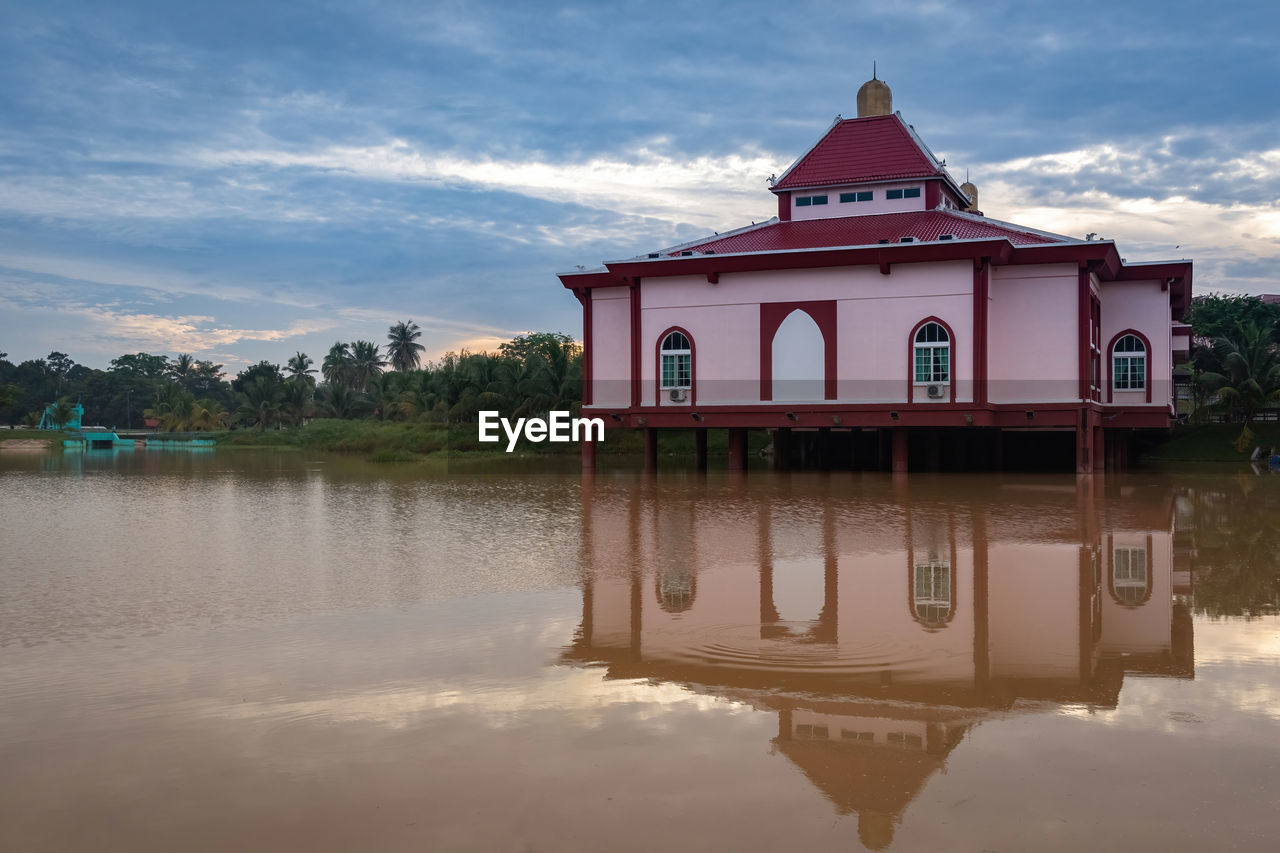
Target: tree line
x: 1235, y: 359
x: 529, y: 374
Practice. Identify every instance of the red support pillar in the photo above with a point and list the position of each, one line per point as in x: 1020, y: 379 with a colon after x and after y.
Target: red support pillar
x: 1099, y: 449
x: 737, y: 449
x: 650, y: 450
x: 1084, y: 444
x: 782, y: 449
x: 588, y: 455
x: 899, y: 450
x: 700, y: 449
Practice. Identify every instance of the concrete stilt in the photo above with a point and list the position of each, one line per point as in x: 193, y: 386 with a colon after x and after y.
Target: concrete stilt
x: 588, y: 455
x: 782, y: 449
x: 650, y: 450
x: 737, y: 449
x: 700, y: 449
x: 1084, y: 444
x: 899, y: 450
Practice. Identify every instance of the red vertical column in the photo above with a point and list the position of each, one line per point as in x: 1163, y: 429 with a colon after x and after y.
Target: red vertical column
x: 1082, y: 339
x: 587, y: 372
x: 1084, y: 443
x: 899, y: 450
x: 700, y: 449
x: 737, y: 449
x: 635, y: 343
x: 650, y: 450
x: 981, y: 288
x: 782, y: 449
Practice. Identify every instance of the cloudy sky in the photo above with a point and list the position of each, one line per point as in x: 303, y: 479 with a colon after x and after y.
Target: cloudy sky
x: 246, y: 180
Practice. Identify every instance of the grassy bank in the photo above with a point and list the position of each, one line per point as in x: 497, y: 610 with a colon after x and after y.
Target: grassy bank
x: 1213, y: 443
x: 24, y: 434
x: 386, y: 441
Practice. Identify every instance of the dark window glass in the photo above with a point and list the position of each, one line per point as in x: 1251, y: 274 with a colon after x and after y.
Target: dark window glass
x: 893, y: 194
x: 913, y: 192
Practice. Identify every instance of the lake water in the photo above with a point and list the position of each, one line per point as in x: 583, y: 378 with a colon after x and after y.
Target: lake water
x: 256, y: 651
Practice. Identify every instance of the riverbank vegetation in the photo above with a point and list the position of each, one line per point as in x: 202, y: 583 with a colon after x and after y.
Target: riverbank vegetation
x: 361, y: 397
x: 1235, y: 364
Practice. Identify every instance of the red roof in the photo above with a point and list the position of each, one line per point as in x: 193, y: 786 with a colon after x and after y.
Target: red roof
x: 875, y: 148
x: 923, y: 225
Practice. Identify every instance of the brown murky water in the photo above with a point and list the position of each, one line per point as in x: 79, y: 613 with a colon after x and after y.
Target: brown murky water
x: 241, y: 651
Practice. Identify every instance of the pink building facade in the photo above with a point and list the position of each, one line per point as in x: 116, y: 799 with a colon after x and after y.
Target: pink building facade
x: 879, y: 298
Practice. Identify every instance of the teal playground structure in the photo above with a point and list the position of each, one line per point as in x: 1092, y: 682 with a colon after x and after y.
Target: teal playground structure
x: 81, y: 437
x: 48, y: 421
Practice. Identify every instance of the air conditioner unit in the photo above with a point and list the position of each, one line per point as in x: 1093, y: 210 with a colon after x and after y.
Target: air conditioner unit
x: 678, y: 395
x: 935, y: 391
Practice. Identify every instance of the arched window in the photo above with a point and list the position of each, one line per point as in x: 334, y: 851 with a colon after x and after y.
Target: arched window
x: 1129, y: 582
x: 676, y: 367
x: 931, y: 593
x: 932, y: 348
x: 675, y: 589
x: 1129, y: 364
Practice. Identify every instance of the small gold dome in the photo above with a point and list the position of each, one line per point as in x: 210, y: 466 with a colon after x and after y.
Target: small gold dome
x: 972, y: 192
x: 874, y: 98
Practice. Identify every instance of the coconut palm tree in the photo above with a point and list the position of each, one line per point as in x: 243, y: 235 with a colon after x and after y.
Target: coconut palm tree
x: 337, y: 365
x: 340, y: 401
x: 208, y: 414
x: 300, y: 369
x: 60, y: 413
x: 181, y: 367
x: 403, y: 349
x: 173, y: 407
x: 297, y: 401
x: 1250, y: 375
x: 366, y: 363
x: 260, y: 402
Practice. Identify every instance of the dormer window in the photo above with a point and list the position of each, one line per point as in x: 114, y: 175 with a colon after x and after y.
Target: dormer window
x: 909, y: 192
x: 807, y: 200
x: 862, y: 195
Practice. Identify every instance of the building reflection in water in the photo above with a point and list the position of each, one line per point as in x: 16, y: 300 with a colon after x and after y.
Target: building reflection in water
x: 883, y: 621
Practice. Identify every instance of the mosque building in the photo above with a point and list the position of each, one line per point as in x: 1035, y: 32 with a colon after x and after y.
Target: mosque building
x: 881, y: 321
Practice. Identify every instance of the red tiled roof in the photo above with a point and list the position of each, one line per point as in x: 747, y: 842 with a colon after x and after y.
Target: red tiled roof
x: 923, y: 225
x: 861, y: 149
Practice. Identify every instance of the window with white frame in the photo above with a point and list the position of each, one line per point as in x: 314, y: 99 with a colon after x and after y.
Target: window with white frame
x: 931, y: 592
x: 1129, y: 364
x: 677, y: 361
x: 1129, y: 574
x: 932, y: 348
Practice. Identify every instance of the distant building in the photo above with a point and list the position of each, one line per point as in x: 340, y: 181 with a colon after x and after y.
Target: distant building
x: 886, y: 322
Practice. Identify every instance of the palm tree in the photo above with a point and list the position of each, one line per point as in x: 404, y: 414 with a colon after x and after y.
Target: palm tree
x: 404, y: 350
x: 208, y: 414
x: 260, y: 402
x: 340, y: 401
x: 60, y: 413
x: 366, y: 363
x: 1250, y: 375
x: 337, y: 365
x: 300, y: 369
x: 181, y: 367
x: 298, y: 402
x: 173, y: 407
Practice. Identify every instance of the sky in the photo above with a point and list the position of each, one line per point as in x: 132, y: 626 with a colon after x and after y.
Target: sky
x: 243, y: 181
